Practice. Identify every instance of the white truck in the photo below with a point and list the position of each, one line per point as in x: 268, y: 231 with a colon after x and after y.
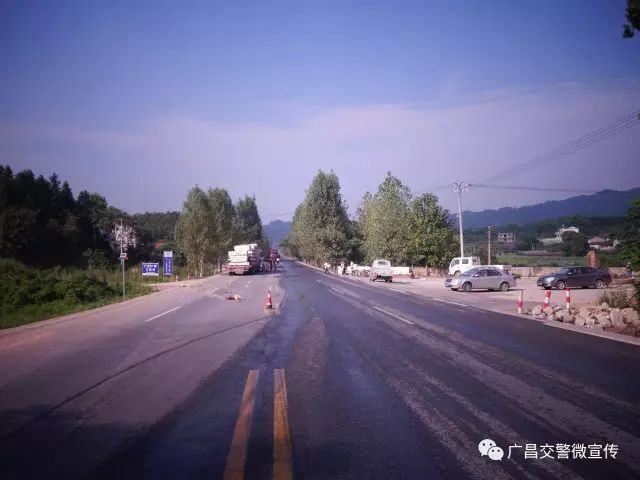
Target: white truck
x: 381, y: 269
x: 244, y: 259
x: 461, y: 264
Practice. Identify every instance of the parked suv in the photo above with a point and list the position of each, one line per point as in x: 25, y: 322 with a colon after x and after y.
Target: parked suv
x: 576, y: 277
x: 381, y: 269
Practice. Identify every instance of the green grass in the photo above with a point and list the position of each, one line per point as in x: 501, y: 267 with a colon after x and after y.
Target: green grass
x: 547, y: 261
x: 28, y: 295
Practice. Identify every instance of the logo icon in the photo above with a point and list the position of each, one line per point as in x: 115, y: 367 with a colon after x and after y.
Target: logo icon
x: 496, y: 453
x: 485, y: 445
x: 488, y: 447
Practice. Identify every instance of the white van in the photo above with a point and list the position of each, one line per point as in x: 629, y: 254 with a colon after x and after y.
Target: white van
x: 461, y: 264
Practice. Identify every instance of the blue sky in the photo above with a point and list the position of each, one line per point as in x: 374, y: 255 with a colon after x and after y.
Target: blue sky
x: 142, y: 100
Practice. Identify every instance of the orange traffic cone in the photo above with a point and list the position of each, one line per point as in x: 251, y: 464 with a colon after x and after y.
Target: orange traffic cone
x: 269, y: 304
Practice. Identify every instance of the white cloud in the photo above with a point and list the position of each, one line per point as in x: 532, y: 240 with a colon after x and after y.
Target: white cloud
x: 151, y: 166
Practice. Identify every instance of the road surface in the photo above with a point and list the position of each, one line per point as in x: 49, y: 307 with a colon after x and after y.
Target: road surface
x: 343, y: 379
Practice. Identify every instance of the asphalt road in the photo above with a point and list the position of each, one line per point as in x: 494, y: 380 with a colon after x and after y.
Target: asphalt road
x: 345, y: 380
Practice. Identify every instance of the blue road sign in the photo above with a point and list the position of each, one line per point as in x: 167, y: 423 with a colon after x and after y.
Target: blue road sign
x: 150, y: 269
x: 168, y: 263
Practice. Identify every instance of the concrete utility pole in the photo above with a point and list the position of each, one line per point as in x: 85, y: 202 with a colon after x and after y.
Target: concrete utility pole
x: 489, y: 245
x: 459, y: 187
x: 124, y: 293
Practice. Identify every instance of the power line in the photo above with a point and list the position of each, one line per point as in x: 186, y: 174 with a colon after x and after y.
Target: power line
x: 539, y: 189
x: 591, y: 138
x: 435, y: 189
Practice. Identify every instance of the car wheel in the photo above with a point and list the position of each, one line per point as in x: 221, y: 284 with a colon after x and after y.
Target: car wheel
x: 561, y: 285
x: 454, y: 289
x: 456, y: 273
x: 466, y: 287
x: 599, y: 284
x: 504, y: 287
x: 391, y: 280
x: 547, y: 288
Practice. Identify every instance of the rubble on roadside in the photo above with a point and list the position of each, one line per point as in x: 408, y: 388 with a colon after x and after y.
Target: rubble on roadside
x: 596, y: 317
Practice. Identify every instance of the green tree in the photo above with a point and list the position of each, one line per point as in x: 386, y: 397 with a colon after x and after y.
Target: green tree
x: 247, y: 222
x: 574, y: 244
x: 320, y: 229
x: 632, y: 14
x: 192, y: 230
x: 220, y: 229
x: 630, y: 243
x: 527, y: 242
x: 383, y: 219
x: 432, y: 240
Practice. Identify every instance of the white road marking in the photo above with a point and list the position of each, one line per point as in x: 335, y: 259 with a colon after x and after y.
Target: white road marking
x: 163, y: 313
x: 450, y: 302
x: 397, y: 290
x: 391, y: 314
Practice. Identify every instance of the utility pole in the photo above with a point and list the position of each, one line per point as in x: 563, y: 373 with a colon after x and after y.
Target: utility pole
x: 459, y: 187
x: 124, y: 293
x: 489, y: 245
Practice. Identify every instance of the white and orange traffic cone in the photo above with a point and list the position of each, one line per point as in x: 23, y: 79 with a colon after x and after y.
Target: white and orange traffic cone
x: 547, y: 297
x: 520, y: 302
x: 269, y: 303
x: 567, y: 299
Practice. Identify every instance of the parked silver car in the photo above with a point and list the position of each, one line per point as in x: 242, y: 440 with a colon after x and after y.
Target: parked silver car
x: 482, y: 278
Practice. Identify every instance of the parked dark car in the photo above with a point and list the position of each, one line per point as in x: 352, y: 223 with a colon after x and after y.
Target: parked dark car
x: 576, y: 277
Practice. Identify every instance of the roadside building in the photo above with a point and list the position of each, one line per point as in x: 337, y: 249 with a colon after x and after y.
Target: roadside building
x: 506, y: 237
x: 557, y: 239
x: 596, y: 243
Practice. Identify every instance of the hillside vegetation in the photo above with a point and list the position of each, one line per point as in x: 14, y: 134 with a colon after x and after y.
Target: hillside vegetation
x: 608, y: 203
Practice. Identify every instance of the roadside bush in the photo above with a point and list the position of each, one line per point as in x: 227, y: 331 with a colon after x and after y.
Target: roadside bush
x: 30, y: 294
x: 619, y: 298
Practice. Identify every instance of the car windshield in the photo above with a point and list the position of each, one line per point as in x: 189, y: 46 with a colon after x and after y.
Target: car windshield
x: 382, y: 263
x: 470, y: 273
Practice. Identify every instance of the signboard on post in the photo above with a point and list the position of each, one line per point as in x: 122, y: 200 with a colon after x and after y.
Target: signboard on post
x: 150, y: 269
x: 167, y: 266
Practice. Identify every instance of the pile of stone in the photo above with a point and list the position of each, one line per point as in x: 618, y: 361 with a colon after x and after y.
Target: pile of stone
x: 598, y: 317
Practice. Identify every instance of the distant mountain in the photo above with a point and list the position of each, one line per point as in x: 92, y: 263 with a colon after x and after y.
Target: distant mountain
x: 277, y: 231
x: 608, y: 203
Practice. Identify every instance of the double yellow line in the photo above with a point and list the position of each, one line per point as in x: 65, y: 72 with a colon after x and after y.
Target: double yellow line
x: 282, y: 456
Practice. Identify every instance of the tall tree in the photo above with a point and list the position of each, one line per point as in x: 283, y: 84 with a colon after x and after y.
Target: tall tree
x: 383, y: 218
x: 432, y: 240
x: 321, y: 224
x: 247, y: 222
x: 630, y: 245
x: 220, y: 224
x: 192, y: 230
x: 574, y: 244
x: 632, y: 14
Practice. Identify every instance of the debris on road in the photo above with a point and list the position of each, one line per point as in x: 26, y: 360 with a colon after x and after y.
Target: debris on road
x: 233, y: 296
